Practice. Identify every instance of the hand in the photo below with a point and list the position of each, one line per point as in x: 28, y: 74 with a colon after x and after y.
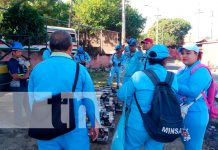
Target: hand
x: 93, y: 133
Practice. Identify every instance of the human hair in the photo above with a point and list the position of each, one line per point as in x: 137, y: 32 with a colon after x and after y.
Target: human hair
x: 60, y: 41
x: 153, y: 61
x: 199, y: 55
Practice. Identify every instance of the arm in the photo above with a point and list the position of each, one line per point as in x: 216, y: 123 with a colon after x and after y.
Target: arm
x: 88, y: 59
x: 13, y: 69
x: 198, y: 82
x: 125, y: 93
x: 90, y: 100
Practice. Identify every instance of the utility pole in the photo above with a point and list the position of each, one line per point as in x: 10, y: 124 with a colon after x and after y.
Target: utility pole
x: 199, y: 12
x: 123, y: 37
x: 211, y: 28
x: 157, y: 25
x: 70, y: 15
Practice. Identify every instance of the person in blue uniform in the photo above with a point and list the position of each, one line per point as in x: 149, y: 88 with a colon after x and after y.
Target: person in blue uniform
x: 19, y: 73
x: 46, y: 53
x: 147, y: 43
x: 136, y: 135
x: 116, y: 62
x: 53, y: 76
x: 131, y: 60
x: 189, y: 88
x: 81, y: 56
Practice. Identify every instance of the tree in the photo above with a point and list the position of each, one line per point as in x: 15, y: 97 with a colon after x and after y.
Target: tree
x: 22, y: 19
x: 107, y: 14
x: 56, y: 11
x: 170, y: 31
x: 134, y: 22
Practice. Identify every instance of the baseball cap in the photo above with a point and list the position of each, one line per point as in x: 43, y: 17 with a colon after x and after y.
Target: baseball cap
x: 132, y: 42
x: 146, y: 40
x: 158, y: 51
x: 118, y: 47
x: 190, y: 47
x: 16, y: 46
x: 80, y: 49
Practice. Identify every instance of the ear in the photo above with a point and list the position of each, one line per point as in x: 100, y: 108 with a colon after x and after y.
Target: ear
x: 69, y: 49
x: 165, y: 62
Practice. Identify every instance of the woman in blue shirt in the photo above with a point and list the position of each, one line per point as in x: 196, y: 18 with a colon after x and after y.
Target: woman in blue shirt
x: 190, y: 86
x: 140, y: 84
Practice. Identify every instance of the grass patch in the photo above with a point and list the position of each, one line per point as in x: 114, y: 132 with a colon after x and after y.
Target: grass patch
x: 99, y: 78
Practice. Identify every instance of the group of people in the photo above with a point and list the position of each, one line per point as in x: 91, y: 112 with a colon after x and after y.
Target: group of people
x: 56, y: 75
x: 189, y: 88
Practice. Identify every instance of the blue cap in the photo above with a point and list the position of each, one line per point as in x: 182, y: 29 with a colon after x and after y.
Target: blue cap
x: 189, y: 47
x: 80, y: 49
x: 158, y: 51
x: 16, y: 46
x: 118, y: 47
x: 132, y: 42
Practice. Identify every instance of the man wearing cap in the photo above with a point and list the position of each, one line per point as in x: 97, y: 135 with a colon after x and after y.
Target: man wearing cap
x: 18, y: 84
x: 147, y: 43
x: 190, y: 87
x: 131, y: 60
x: 81, y: 56
x: 136, y: 135
x: 116, y: 62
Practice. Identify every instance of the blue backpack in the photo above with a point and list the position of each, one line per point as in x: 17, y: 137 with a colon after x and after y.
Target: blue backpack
x: 163, y: 121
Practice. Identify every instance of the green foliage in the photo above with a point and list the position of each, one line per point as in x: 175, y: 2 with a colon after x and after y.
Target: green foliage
x: 134, y: 22
x: 170, y: 31
x: 52, y: 9
x: 107, y: 14
x: 22, y: 19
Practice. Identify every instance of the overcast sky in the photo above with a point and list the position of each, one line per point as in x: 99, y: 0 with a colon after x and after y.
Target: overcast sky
x: 186, y: 9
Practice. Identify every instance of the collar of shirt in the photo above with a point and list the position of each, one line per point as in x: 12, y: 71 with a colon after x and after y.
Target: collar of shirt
x: 61, y: 54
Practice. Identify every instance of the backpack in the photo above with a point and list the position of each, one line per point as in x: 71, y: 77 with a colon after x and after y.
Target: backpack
x: 163, y: 121
x: 40, y: 121
x: 211, y: 93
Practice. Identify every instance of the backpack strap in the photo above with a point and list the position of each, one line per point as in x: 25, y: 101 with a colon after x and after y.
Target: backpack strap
x: 154, y: 78
x: 152, y: 75
x: 203, y: 93
x: 169, y: 78
x: 76, y: 78
x: 200, y: 66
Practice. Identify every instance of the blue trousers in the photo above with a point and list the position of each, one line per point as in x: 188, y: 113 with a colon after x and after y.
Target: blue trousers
x: 75, y: 140
x: 136, y: 139
x: 196, y: 123
x: 114, y: 70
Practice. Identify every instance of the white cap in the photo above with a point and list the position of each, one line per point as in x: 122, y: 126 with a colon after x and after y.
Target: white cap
x: 190, y: 47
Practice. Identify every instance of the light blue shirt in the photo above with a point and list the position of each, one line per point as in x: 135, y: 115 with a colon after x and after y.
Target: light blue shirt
x: 116, y: 60
x: 46, y: 54
x: 131, y: 64
x: 56, y: 75
x: 79, y: 57
x: 191, y: 86
x: 141, y: 84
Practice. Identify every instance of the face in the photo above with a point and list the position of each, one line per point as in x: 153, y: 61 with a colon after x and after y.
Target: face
x: 147, y: 45
x: 132, y: 48
x: 17, y: 53
x: 189, y: 57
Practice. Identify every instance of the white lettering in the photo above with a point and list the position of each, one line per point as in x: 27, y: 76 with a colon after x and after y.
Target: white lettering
x: 171, y: 130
